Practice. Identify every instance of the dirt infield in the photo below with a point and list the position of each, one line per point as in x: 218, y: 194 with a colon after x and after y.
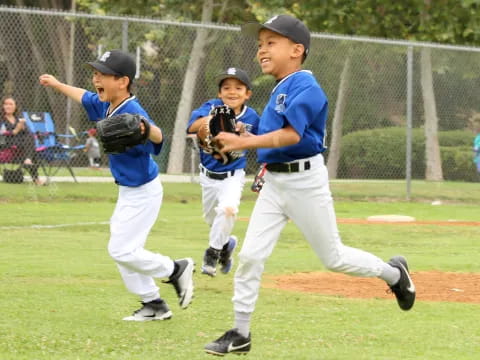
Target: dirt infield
x: 431, y: 286
x: 409, y: 223
x: 389, y: 222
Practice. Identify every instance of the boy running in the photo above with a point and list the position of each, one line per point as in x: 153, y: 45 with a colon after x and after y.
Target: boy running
x: 140, y: 190
x: 222, y: 185
x: 291, y: 141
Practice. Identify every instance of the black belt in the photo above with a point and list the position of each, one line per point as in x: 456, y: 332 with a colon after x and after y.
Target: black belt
x: 217, y: 175
x: 288, y: 167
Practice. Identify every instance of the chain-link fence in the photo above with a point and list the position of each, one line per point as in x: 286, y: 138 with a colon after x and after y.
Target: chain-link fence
x: 398, y: 110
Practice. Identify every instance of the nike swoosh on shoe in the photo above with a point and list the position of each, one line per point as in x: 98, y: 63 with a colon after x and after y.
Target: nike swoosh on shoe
x: 234, y: 348
x: 411, y: 287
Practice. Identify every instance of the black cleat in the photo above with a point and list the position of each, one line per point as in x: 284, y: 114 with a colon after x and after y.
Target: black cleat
x: 210, y: 260
x: 225, y: 260
x: 230, y: 342
x: 404, y: 289
x: 153, y: 310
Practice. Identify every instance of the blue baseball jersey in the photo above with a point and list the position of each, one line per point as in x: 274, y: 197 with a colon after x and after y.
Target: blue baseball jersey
x: 134, y: 167
x: 297, y: 100
x: 248, y: 116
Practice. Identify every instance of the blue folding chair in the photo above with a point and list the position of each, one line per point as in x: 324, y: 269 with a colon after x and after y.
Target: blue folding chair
x: 53, y: 154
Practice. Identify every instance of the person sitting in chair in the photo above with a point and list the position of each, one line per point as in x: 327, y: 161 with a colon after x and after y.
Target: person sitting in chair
x: 92, y: 148
x: 16, y: 134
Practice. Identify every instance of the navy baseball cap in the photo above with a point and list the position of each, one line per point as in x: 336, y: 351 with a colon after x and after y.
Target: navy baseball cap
x: 116, y: 62
x: 284, y: 25
x: 235, y: 73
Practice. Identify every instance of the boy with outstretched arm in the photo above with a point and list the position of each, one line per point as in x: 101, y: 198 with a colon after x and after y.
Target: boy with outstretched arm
x: 140, y: 190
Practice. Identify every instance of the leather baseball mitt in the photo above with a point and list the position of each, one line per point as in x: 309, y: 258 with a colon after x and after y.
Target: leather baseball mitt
x: 222, y: 119
x: 118, y: 133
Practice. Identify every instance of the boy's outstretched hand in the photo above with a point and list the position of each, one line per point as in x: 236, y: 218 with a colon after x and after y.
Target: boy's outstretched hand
x: 49, y: 80
x: 72, y: 92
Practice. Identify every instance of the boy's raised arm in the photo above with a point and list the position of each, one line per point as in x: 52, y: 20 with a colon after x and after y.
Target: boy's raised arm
x: 72, y: 92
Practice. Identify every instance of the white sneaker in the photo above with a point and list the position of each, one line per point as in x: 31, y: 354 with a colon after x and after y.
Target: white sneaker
x: 182, y: 281
x: 153, y: 310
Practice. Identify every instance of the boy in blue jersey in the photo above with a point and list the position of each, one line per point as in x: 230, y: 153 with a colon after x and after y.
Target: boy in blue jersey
x: 290, y: 142
x: 222, y: 185
x: 140, y: 190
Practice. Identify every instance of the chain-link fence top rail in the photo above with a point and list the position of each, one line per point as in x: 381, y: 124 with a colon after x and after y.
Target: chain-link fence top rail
x: 366, y: 81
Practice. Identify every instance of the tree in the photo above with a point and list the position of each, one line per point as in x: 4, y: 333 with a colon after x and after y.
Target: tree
x: 202, y: 40
x: 433, y: 170
x: 177, y: 150
x: 335, y: 144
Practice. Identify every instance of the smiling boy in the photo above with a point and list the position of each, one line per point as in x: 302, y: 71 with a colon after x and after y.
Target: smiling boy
x: 140, y: 190
x: 290, y: 141
x: 222, y: 185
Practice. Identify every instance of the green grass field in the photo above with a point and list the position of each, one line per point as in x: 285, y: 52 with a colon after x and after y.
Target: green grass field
x: 62, y: 297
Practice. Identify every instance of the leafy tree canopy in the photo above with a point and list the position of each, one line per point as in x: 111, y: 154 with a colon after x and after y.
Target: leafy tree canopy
x: 443, y: 21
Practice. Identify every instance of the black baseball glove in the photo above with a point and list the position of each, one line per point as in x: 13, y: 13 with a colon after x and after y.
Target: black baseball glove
x: 118, y: 133
x: 222, y: 119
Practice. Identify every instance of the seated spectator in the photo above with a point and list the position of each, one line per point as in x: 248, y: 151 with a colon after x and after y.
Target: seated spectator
x: 92, y: 148
x: 16, y: 134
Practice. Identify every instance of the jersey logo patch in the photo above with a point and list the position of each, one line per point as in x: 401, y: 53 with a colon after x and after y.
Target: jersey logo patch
x: 280, y: 103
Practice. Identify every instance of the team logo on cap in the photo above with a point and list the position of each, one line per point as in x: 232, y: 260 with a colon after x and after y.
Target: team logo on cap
x: 105, y: 56
x: 231, y: 71
x: 271, y: 20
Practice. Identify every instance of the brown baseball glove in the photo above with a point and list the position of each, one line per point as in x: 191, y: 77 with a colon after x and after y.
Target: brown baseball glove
x: 222, y: 119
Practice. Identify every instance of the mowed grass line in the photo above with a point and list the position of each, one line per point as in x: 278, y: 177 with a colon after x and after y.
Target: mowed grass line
x: 367, y: 190
x: 63, y: 297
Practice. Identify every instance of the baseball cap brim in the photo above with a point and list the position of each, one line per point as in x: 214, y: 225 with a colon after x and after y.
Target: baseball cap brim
x: 253, y: 28
x: 103, y: 69
x: 222, y: 77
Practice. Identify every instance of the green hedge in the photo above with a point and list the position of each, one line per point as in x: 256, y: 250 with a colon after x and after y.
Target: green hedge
x: 457, y: 163
x: 456, y: 138
x: 380, y: 154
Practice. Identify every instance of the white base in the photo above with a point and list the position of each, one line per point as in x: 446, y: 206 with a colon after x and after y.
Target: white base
x: 391, y: 218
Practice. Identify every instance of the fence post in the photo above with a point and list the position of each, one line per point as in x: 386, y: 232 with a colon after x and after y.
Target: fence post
x: 69, y: 77
x: 125, y: 36
x: 408, y: 167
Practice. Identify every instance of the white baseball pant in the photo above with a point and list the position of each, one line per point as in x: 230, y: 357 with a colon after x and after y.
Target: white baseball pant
x: 135, y: 213
x: 221, y: 200
x: 305, y: 198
